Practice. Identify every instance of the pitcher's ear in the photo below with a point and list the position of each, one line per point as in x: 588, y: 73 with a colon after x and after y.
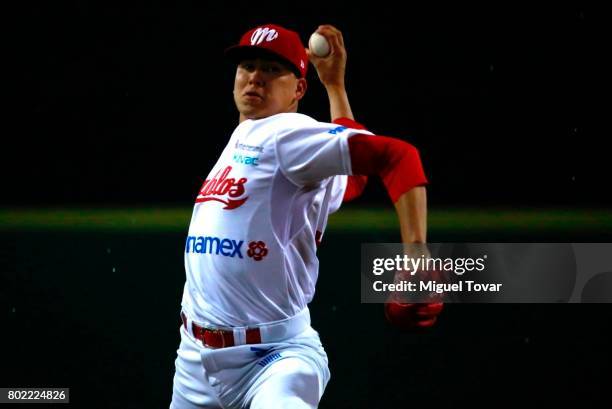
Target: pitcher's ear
x: 301, y: 87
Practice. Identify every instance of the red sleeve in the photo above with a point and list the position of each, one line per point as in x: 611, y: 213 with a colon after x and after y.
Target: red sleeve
x: 355, y: 183
x: 349, y: 123
x: 354, y: 187
x: 397, y: 162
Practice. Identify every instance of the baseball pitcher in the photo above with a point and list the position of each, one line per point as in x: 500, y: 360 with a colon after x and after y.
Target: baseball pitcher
x: 250, y: 254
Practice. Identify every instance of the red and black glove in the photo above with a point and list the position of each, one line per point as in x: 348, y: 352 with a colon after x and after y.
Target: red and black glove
x: 404, y: 314
x: 412, y: 316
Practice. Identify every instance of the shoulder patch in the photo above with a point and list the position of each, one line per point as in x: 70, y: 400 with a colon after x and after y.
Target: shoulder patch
x: 337, y: 130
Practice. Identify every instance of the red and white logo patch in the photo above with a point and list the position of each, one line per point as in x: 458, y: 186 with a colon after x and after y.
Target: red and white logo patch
x: 263, y: 33
x: 224, y: 189
x: 257, y: 250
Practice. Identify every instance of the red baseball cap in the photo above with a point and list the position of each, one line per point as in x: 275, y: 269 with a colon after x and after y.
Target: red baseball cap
x: 274, y: 41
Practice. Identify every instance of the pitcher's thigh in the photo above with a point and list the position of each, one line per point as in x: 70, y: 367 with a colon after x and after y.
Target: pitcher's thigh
x: 190, y: 389
x: 291, y: 382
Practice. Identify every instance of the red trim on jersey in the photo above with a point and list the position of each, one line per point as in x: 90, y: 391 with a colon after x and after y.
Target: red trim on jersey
x: 355, y: 183
x: 349, y: 123
x: 397, y: 162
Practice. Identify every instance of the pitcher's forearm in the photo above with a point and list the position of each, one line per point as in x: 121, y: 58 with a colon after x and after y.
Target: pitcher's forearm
x: 411, y: 210
x: 339, y: 105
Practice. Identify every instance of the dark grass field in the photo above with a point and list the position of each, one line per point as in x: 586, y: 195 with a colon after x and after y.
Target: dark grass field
x: 90, y: 300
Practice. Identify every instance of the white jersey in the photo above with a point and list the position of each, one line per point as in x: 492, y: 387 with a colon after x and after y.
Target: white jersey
x: 250, y: 255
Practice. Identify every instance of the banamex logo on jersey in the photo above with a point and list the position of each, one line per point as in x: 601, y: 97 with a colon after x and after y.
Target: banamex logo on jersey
x: 226, y: 247
x: 214, y: 245
x: 224, y: 189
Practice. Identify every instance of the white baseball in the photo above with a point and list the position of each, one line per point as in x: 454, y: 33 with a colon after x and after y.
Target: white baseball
x: 318, y: 45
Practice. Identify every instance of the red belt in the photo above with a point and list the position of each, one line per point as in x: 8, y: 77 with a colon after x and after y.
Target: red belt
x: 220, y: 338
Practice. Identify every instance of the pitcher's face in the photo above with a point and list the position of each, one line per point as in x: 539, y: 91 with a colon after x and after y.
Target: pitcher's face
x: 265, y: 87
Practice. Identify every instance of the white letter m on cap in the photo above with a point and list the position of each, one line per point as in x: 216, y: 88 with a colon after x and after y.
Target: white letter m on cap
x: 263, y: 33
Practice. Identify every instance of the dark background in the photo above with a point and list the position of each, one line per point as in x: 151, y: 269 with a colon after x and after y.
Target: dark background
x: 133, y: 103
x: 99, y: 313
